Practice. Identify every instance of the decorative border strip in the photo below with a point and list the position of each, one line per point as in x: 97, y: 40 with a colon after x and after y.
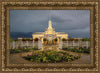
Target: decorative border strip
x: 39, y: 4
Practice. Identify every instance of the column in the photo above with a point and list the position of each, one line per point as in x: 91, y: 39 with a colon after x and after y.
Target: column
x: 81, y: 43
x: 87, y: 43
x: 13, y: 45
x: 39, y: 44
x: 33, y: 43
x: 60, y: 43
x: 42, y: 43
x: 67, y: 43
x: 42, y: 40
x: 27, y: 43
x: 22, y: 44
x: 73, y: 43
x: 58, y: 40
x: 78, y: 44
x: 19, y: 42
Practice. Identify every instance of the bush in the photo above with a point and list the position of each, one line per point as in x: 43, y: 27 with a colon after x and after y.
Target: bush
x: 50, y: 56
x: 44, y: 39
x: 80, y: 50
x: 64, y: 39
x: 15, y: 51
x: 85, y: 39
x: 56, y: 39
x: 23, y: 50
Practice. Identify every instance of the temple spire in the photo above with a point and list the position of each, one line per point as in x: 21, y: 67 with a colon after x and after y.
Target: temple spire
x: 49, y: 16
x: 49, y: 23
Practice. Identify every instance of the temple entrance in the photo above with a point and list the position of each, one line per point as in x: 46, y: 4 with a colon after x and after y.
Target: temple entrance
x: 50, y: 44
x: 50, y: 47
x: 50, y: 41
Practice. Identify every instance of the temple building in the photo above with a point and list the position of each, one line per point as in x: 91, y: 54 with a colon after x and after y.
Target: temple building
x: 50, y: 34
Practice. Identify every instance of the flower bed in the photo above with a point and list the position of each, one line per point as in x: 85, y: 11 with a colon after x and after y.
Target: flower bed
x: 79, y: 50
x: 50, y: 57
x: 22, y: 50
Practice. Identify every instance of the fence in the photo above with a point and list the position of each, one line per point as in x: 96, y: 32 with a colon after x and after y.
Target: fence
x: 17, y: 44
x: 76, y: 44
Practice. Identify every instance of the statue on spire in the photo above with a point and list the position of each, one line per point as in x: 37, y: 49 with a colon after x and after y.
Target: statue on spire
x: 50, y: 23
x: 49, y: 16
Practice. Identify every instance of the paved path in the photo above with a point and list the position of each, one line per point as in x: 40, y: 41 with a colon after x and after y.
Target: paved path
x: 17, y: 58
x: 84, y: 58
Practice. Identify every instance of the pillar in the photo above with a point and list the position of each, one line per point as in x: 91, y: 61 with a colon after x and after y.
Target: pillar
x: 40, y: 43
x: 42, y: 40
x: 60, y: 43
x: 27, y: 43
x: 58, y: 40
x: 78, y: 43
x: 13, y: 44
x: 22, y: 44
x: 73, y: 43
x: 33, y: 43
x: 67, y: 43
x: 87, y: 44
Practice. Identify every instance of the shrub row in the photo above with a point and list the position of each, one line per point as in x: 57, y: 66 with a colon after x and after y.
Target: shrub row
x: 51, y: 57
x: 22, y: 50
x: 79, y: 50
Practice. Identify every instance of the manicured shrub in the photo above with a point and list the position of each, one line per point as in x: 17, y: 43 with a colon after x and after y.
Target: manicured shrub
x: 64, y: 39
x: 51, y: 57
x: 23, y: 50
x: 80, y: 50
x: 56, y: 39
x: 15, y: 51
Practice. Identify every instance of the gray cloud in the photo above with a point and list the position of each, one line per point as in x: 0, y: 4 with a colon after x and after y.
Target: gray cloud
x: 73, y: 22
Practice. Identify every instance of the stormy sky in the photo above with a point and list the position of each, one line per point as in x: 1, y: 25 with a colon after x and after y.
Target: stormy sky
x: 74, y: 22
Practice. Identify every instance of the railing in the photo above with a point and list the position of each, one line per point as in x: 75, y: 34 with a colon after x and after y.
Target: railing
x: 21, y: 44
x: 76, y: 44
x: 17, y: 44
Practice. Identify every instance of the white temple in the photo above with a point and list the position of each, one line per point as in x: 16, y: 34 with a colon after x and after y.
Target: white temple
x: 50, y: 34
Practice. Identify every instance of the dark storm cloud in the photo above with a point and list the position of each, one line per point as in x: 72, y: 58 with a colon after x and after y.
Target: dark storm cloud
x: 74, y: 22
x: 57, y: 19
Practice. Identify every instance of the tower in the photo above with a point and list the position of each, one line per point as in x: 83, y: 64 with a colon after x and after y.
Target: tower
x: 50, y: 30
x: 50, y: 23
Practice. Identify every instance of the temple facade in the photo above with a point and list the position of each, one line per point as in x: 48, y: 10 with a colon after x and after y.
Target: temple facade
x: 50, y: 34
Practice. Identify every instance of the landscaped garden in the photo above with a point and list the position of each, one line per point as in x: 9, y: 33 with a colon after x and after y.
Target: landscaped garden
x: 78, y: 50
x: 25, y: 49
x: 50, y: 57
